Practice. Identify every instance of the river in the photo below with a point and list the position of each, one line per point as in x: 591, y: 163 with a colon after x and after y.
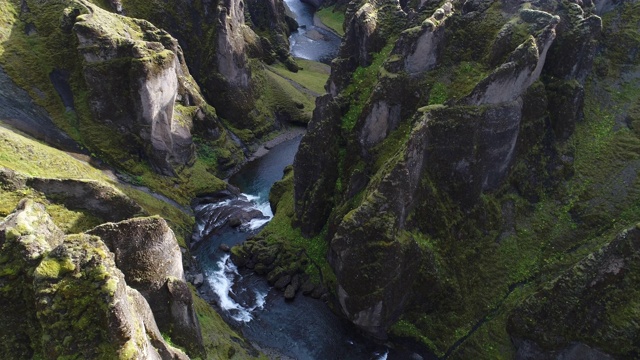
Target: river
x: 311, y: 42
x: 304, y: 328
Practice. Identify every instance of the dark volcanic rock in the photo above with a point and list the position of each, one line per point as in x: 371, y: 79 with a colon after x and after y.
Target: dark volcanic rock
x: 317, y: 167
x: 227, y: 210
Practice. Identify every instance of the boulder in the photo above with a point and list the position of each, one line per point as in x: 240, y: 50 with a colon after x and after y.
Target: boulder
x: 147, y: 252
x: 85, y: 307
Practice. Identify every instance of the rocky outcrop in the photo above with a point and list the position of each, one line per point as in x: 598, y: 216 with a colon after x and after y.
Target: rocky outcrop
x: 79, y: 280
x: 144, y: 100
x: 103, y: 201
x: 26, y: 236
x: 64, y: 296
x: 223, y: 50
x: 415, y: 160
x: 147, y: 253
x: 231, y: 55
x: 596, y: 298
x: 420, y: 48
x: 364, y: 37
x: 270, y: 19
x: 317, y: 158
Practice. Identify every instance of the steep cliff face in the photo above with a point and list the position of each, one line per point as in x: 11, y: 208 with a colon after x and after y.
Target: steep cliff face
x: 225, y: 51
x: 82, y: 303
x: 596, y: 298
x: 450, y: 126
x: 50, y: 279
x: 121, y: 88
x: 148, y: 98
x: 147, y: 253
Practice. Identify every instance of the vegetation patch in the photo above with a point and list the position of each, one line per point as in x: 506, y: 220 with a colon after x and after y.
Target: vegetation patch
x: 333, y: 18
x: 220, y: 341
x: 312, y: 75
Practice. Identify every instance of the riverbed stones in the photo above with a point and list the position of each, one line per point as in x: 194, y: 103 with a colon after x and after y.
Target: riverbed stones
x: 282, y: 282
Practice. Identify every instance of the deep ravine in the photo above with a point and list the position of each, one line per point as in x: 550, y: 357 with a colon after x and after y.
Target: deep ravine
x: 305, y: 328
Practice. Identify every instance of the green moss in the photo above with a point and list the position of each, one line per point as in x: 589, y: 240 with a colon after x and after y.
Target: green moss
x: 361, y: 87
x: 287, y: 99
x: 312, y: 75
x: 220, y: 341
x: 70, y: 221
x: 53, y: 268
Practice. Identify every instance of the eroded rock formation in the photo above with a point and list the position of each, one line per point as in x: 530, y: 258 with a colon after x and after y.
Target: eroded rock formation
x: 63, y: 295
x: 408, y: 162
x: 139, y: 84
x: 147, y: 253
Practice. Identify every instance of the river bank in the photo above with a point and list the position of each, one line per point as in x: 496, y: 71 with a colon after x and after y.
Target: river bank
x: 286, y: 135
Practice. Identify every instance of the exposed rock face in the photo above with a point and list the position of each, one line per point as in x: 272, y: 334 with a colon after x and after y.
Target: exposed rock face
x: 26, y: 236
x: 270, y: 19
x: 79, y: 280
x: 232, y: 60
x: 421, y: 47
x: 147, y: 252
x: 363, y: 38
x: 64, y: 296
x: 382, y: 119
x: 594, y: 297
x: 407, y: 168
x: 222, y: 49
x: 315, y: 184
x: 142, y: 100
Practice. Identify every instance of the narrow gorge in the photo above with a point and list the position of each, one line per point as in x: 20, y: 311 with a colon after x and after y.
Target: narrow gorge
x: 319, y: 179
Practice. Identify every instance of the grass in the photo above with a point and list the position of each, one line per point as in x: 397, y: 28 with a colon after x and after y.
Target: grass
x: 363, y: 81
x: 332, y: 18
x: 32, y: 158
x: 220, y: 341
x: 281, y: 95
x: 312, y: 75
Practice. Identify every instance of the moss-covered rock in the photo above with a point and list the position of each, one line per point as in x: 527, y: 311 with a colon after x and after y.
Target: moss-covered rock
x: 26, y: 237
x: 147, y: 252
x: 597, y: 300
x: 64, y: 296
x: 475, y: 168
x: 86, y: 309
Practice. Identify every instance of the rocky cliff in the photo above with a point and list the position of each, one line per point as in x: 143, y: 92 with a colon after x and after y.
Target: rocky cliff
x: 464, y: 166
x: 233, y: 38
x: 50, y: 279
x: 122, y: 87
x: 73, y: 285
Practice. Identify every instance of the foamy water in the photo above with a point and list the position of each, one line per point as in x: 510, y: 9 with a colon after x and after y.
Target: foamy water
x: 264, y: 207
x: 222, y: 280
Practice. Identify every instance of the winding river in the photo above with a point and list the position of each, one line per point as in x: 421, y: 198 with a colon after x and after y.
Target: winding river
x: 304, y: 328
